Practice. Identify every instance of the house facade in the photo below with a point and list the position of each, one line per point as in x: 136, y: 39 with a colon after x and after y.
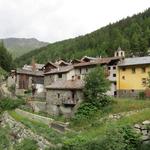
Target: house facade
x: 27, y: 77
x: 62, y: 97
x: 132, y: 75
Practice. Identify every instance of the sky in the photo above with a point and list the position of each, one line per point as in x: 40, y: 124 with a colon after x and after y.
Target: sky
x: 55, y: 20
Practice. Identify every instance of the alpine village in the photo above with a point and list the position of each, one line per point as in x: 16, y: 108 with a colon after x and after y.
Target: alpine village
x: 91, y: 92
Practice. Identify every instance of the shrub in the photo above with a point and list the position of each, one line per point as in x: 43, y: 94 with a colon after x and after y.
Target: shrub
x: 85, y: 111
x: 142, y: 95
x: 96, y: 85
x: 8, y: 103
x: 116, y: 138
x: 27, y: 144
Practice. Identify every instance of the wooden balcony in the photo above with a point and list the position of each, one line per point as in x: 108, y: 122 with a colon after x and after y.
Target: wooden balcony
x: 69, y: 102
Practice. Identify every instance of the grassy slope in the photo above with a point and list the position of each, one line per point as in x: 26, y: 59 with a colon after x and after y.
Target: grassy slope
x: 97, y: 129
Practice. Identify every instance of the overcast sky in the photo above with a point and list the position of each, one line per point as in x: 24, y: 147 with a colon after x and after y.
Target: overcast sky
x: 54, y: 20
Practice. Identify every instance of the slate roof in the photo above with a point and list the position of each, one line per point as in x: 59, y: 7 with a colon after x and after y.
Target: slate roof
x: 29, y: 72
x: 135, y: 61
x: 60, y: 70
x: 97, y: 61
x: 69, y: 84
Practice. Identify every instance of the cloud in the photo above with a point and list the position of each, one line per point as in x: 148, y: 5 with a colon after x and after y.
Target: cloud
x: 54, y: 20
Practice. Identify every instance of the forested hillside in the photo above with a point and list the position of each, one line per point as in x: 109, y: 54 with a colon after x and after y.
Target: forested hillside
x: 6, y: 62
x: 20, y: 46
x: 132, y: 34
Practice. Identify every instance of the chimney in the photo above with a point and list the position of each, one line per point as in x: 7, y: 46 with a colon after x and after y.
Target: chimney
x: 33, y: 65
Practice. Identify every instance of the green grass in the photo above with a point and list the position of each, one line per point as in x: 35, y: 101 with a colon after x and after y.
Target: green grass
x: 92, y: 129
x: 39, y: 128
x: 124, y: 105
x: 99, y: 130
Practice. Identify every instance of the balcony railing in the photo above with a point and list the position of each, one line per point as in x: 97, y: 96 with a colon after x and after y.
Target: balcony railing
x: 69, y: 102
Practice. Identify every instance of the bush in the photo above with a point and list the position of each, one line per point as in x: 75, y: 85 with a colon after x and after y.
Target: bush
x: 96, y: 85
x: 9, y: 104
x: 27, y: 144
x: 85, y: 111
x: 116, y: 138
x: 142, y: 95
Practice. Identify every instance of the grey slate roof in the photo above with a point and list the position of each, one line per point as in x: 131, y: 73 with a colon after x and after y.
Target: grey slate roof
x: 29, y: 72
x: 60, y: 70
x: 69, y: 84
x: 135, y: 61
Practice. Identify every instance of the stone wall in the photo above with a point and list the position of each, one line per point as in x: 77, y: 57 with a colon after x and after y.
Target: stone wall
x: 128, y: 93
x: 38, y: 106
x: 35, y: 117
x: 144, y: 130
x: 55, y: 98
x: 19, y: 132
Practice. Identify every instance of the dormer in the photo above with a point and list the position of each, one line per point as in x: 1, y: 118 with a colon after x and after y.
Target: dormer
x: 119, y: 53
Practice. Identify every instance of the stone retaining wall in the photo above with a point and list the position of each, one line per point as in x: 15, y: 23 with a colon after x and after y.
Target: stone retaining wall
x: 35, y: 117
x: 19, y: 132
x: 144, y: 130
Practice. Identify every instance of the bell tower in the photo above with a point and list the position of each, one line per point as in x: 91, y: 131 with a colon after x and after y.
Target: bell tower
x: 119, y: 52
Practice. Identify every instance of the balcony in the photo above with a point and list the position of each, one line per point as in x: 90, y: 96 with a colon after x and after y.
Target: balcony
x: 69, y: 102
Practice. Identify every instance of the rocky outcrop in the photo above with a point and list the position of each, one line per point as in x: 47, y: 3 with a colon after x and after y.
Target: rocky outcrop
x: 19, y: 132
x: 144, y: 130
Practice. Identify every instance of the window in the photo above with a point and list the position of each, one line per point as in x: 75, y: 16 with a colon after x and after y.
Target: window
x: 123, y: 69
x: 114, y: 67
x: 109, y: 68
x: 79, y: 77
x: 80, y: 70
x: 59, y: 75
x: 132, y: 90
x: 72, y: 77
x: 123, y: 77
x: 58, y: 95
x: 133, y: 70
x: 114, y: 75
x: 143, y: 70
x: 144, y: 81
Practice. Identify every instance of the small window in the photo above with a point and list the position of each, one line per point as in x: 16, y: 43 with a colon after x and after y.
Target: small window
x: 80, y: 70
x: 114, y: 67
x: 123, y: 69
x: 109, y: 68
x: 144, y: 81
x: 143, y: 70
x: 72, y: 77
x: 59, y: 75
x: 58, y: 95
x: 132, y: 90
x: 114, y: 75
x: 73, y: 95
x: 133, y: 70
x: 123, y: 77
x: 115, y: 83
x: 79, y: 77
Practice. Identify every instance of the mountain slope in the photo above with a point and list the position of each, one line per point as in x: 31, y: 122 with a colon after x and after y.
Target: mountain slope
x: 20, y: 46
x: 132, y: 34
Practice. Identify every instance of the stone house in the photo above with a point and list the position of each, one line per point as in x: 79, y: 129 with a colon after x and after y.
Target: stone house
x: 28, y: 76
x: 62, y: 97
x: 110, y: 65
x: 60, y: 73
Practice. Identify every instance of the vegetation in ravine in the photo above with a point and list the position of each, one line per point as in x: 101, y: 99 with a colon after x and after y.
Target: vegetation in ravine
x: 131, y: 34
